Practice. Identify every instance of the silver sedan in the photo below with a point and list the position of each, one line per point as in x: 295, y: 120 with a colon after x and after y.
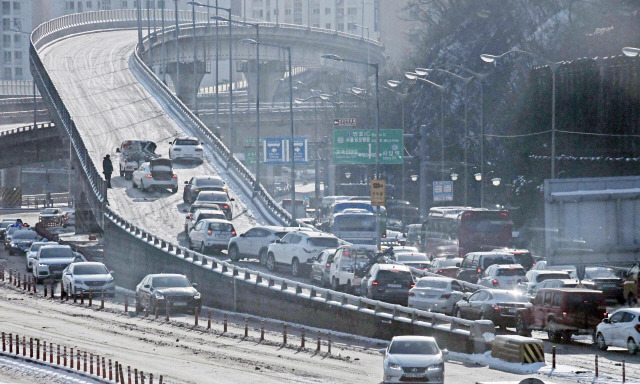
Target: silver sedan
x: 85, y: 277
x: 416, y: 359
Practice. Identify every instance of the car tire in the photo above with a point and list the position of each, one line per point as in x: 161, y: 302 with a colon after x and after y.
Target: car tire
x: 334, y: 284
x: 234, y: 254
x: 456, y: 313
x: 203, y: 249
x: 553, y: 335
x: 121, y: 172
x: 128, y: 176
x: 566, y: 337
x: 133, y: 183
x: 271, y: 262
x: 521, y: 327
x: 174, y: 190
x: 295, y: 268
x: 632, y: 346
x: 632, y: 301
x: 348, y: 288
x: 601, y: 343
x: 262, y: 255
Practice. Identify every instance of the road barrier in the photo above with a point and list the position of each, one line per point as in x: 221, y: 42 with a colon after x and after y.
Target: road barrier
x: 518, y: 349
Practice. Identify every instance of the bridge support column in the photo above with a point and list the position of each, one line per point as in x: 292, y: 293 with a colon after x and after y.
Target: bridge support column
x: 11, y: 187
x: 187, y: 82
x: 270, y: 73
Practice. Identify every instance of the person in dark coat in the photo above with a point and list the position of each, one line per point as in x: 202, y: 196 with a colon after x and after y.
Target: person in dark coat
x: 107, y: 169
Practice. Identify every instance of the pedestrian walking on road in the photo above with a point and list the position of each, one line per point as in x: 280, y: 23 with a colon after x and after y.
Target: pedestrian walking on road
x: 107, y: 169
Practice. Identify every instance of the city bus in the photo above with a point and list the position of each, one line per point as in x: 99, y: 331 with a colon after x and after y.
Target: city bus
x: 460, y: 230
x: 357, y: 226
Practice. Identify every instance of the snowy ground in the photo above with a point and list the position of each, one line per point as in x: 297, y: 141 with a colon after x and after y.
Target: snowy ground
x: 14, y: 370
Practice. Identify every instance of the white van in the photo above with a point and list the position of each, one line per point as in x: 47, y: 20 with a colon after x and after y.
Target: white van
x: 346, y: 263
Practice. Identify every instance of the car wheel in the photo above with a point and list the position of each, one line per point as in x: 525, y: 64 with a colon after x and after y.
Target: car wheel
x: 202, y: 248
x: 263, y: 256
x: 133, y: 183
x: 334, y: 284
x: 566, y: 337
x: 632, y: 346
x: 234, y: 254
x: 271, y: 262
x: 128, y: 176
x: 521, y: 326
x: 174, y: 190
x: 553, y: 335
x: 456, y: 313
x: 632, y: 301
x: 295, y: 268
x: 121, y: 172
x: 601, y: 343
x: 348, y: 287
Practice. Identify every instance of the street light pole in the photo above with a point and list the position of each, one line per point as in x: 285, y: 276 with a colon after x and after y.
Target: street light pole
x: 195, y: 60
x: 553, y: 66
x: 139, y: 16
x: 177, y: 85
x: 164, y: 53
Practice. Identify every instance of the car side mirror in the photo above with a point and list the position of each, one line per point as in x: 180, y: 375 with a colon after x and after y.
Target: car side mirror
x: 445, y: 353
x: 147, y: 286
x: 606, y: 320
x: 117, y: 150
x: 232, y: 199
x: 243, y: 235
x: 465, y: 298
x: 383, y: 351
x: 278, y: 242
x: 194, y: 285
x: 111, y: 273
x: 202, y: 143
x: 185, y: 210
x: 186, y: 182
x: 458, y: 265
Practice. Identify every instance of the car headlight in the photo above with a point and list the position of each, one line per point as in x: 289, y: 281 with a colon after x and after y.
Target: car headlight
x: 42, y: 265
x: 159, y: 296
x: 394, y: 366
x: 197, y: 296
x: 13, y: 245
x: 433, y: 367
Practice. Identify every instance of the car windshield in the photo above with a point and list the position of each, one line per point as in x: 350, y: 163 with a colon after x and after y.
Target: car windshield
x: 55, y: 253
x: 546, y: 276
x: 490, y: 260
x: 327, y: 242
x: 36, y: 246
x: 49, y: 211
x: 213, y: 196
x: 394, y: 277
x: 221, y: 227
x: 209, y: 183
x: 511, y: 272
x: 25, y: 235
x: 355, y: 223
x: 186, y: 142
x: 212, y: 216
x: 90, y: 269
x: 432, y: 283
x: 170, y: 282
x: 413, y: 347
x: 583, y: 300
x: 406, y: 258
x: 510, y: 297
x: 595, y: 273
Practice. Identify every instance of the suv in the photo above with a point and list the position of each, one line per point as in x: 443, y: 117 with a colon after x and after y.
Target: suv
x: 523, y: 256
x: 154, y: 174
x: 52, y: 260
x: 211, y: 234
x: 387, y: 282
x: 32, y: 253
x: 504, y: 276
x: 220, y: 198
x: 346, y: 261
x: 475, y: 263
x: 200, y: 214
x: 198, y: 184
x: 51, y: 216
x: 255, y: 242
x: 562, y: 312
x: 133, y: 153
x: 297, y: 249
x: 186, y: 148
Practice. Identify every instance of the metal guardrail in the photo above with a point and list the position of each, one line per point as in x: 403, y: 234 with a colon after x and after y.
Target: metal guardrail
x: 49, y: 31
x: 26, y: 128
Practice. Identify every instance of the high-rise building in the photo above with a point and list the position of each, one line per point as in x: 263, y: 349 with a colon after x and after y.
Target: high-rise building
x: 396, y: 28
x: 359, y: 17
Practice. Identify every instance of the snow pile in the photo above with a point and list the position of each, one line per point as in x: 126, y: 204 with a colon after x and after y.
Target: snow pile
x: 489, y: 336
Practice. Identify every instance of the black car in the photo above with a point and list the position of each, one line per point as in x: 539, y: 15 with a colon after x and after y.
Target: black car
x: 387, y: 282
x: 604, y: 279
x: 167, y: 290
x: 5, y: 224
x: 21, y: 241
x: 198, y: 184
x: 497, y: 305
x: 522, y: 256
x: 475, y: 263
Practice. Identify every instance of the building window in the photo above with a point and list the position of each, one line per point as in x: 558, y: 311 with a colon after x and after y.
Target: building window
x: 6, y: 57
x: 6, y: 40
x: 18, y: 73
x: 287, y: 11
x: 16, y: 6
x: 17, y: 38
x: 351, y: 27
x: 6, y: 7
x: 71, y: 5
x: 316, y: 11
x: 124, y: 4
x: 7, y: 73
x: 352, y: 11
x: 17, y: 55
x: 327, y: 26
x: 6, y: 24
x: 275, y: 12
x: 89, y: 5
x: 340, y: 11
x: 327, y: 11
x: 316, y: 25
x: 341, y: 27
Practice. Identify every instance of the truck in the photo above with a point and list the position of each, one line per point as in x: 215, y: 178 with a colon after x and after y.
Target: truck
x: 592, y: 221
x: 133, y: 153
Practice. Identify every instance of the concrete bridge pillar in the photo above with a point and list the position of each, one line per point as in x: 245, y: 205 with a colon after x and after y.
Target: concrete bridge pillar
x: 188, y: 80
x: 11, y: 187
x: 270, y: 73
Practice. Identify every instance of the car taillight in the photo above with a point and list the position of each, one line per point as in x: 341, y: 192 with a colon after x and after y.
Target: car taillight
x: 328, y: 265
x: 374, y: 283
x: 495, y: 282
x: 411, y: 294
x: 209, y: 232
x: 197, y: 190
x: 621, y: 283
x: 384, y: 235
x: 440, y: 271
x: 564, y: 314
x: 190, y: 216
x: 445, y: 296
x: 233, y: 233
x: 479, y: 270
x: 148, y: 176
x: 496, y: 308
x: 412, y: 285
x: 225, y: 206
x: 637, y: 327
x: 175, y: 176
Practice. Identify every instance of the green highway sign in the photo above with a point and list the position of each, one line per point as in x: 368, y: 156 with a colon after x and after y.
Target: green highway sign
x: 358, y: 146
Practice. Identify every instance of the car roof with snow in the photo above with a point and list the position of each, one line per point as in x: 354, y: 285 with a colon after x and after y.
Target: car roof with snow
x: 391, y: 267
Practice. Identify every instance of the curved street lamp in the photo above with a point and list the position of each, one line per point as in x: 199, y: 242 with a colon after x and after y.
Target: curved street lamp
x: 554, y: 69
x: 631, y: 51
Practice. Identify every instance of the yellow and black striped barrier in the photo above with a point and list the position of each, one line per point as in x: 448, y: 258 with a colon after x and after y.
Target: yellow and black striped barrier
x: 518, y: 349
x: 11, y: 197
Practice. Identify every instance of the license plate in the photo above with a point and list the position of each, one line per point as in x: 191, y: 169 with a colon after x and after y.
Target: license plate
x: 179, y: 304
x: 222, y: 236
x: 512, y: 310
x: 414, y: 375
x: 394, y: 286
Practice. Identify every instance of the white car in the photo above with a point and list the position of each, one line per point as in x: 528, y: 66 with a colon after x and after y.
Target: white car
x: 84, y: 277
x: 296, y: 250
x: 415, y: 359
x: 32, y: 253
x: 436, y: 294
x: 210, y: 234
x: 536, y: 276
x: 52, y: 260
x: 255, y: 242
x: 157, y: 173
x: 404, y: 249
x: 416, y: 260
x: 621, y: 329
x: 347, y: 262
x: 503, y: 276
x: 186, y: 148
x: 201, y: 214
x: 133, y: 153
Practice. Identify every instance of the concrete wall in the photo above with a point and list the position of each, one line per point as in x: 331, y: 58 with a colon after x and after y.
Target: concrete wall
x: 132, y: 258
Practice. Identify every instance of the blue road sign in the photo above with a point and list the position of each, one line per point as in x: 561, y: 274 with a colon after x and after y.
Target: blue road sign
x: 442, y: 190
x: 276, y: 150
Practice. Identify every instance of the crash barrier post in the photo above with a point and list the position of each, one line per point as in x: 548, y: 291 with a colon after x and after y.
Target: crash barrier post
x: 24, y: 282
x: 225, y: 322
x: 44, y: 351
x: 151, y: 378
x: 10, y: 276
x: 71, y: 357
x: 122, y: 375
x: 553, y: 357
x: 81, y: 298
x: 24, y: 346
x: 141, y: 377
x: 85, y: 361
x: 31, y: 347
x: 38, y: 349
x: 64, y: 355
x: 329, y: 343
x: 246, y: 327
x: 318, y: 345
x: 102, y: 300
x: 284, y: 333
x: 167, y: 310
x: 104, y: 369
x: 57, y: 354
x: 126, y: 303
x: 596, y: 365
x: 28, y: 283
x: 110, y: 370
x: 261, y: 330
x: 209, y: 319
x: 4, y: 348
x: 478, y: 331
x: 518, y: 349
x: 35, y: 283
x: 624, y: 373
x: 90, y: 297
x: 75, y: 295
x: 196, y: 312
x: 91, y: 363
x: 160, y: 380
x: 302, y: 341
x: 45, y: 290
x: 135, y: 375
x: 53, y: 291
x: 128, y: 374
x: 78, y: 357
